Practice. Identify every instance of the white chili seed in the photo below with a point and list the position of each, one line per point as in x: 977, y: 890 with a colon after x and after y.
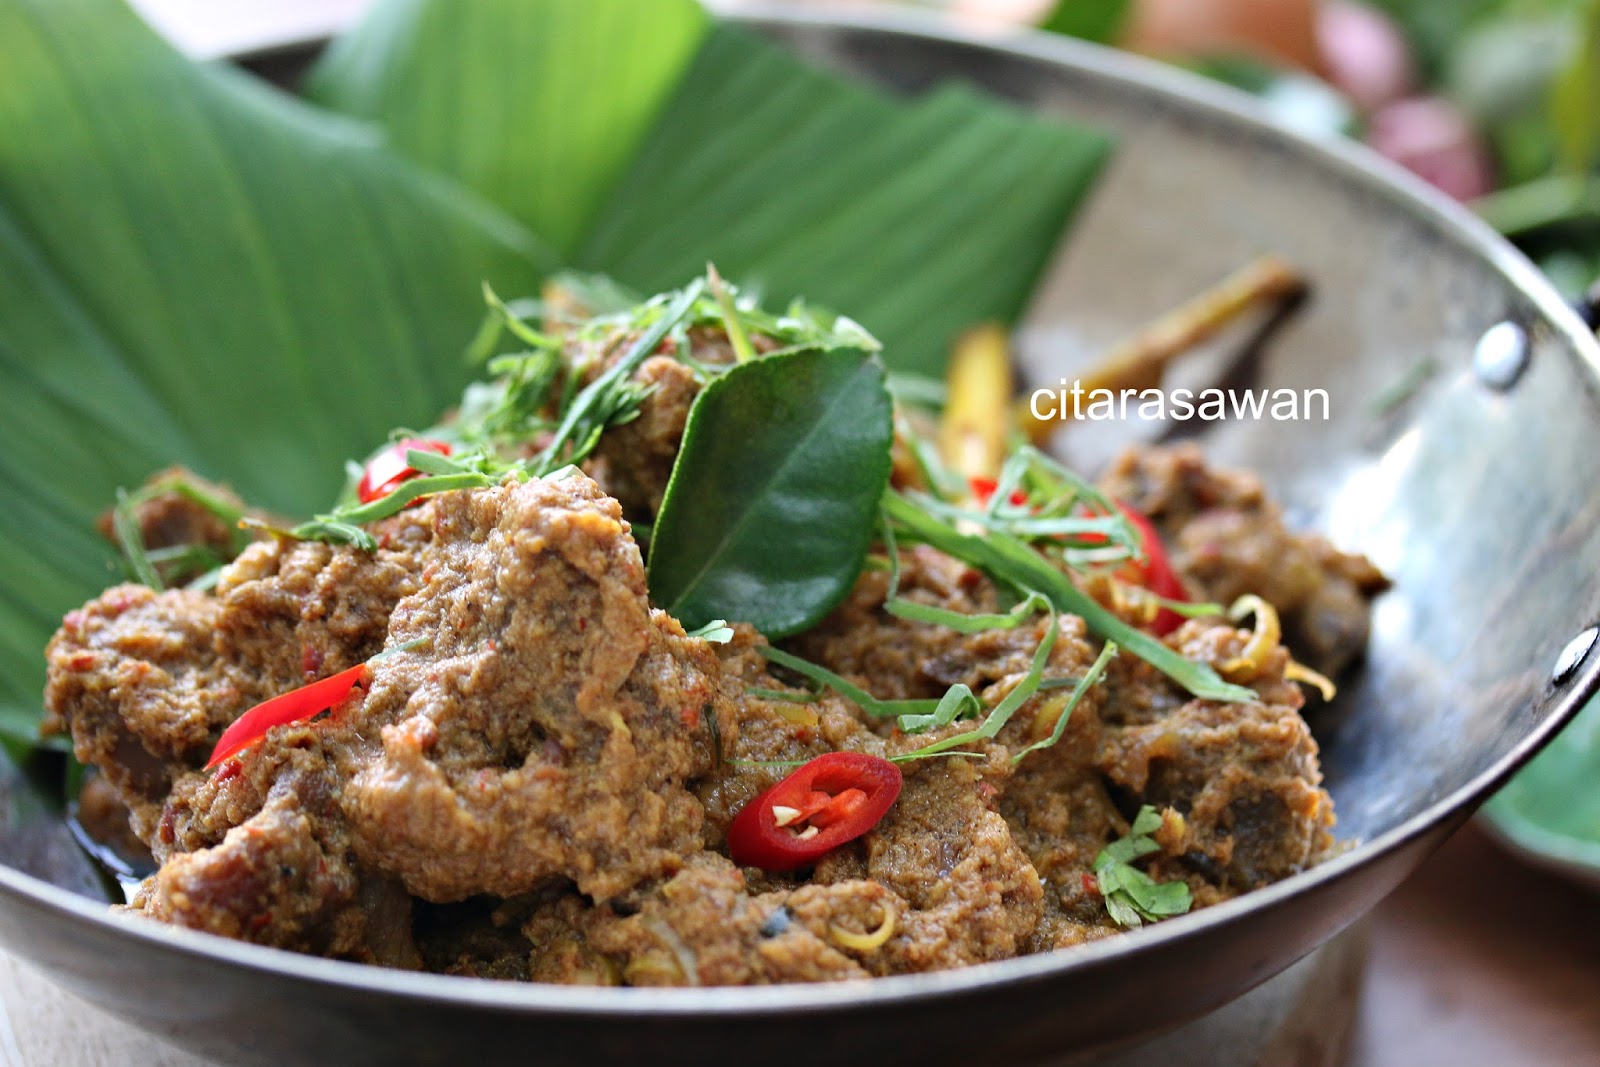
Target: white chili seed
x: 784, y: 816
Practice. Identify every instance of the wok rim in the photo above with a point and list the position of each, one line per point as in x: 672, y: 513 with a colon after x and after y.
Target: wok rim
x: 1355, y: 165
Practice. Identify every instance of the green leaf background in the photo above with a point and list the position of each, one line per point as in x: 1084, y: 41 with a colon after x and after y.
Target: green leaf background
x: 538, y: 106
x: 915, y: 217
x: 200, y: 269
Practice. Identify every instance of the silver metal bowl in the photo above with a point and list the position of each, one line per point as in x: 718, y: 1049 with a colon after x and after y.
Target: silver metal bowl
x: 1472, y: 493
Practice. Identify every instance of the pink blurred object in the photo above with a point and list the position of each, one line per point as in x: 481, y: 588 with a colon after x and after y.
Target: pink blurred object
x: 1365, y: 54
x: 1433, y: 139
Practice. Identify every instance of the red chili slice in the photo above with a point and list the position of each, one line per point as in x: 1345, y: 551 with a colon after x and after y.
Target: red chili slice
x: 389, y: 468
x: 293, y: 706
x: 982, y: 490
x: 828, y: 801
x: 1155, y: 572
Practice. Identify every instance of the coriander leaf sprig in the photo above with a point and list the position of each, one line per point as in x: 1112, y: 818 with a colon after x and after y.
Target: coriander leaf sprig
x: 1132, y: 897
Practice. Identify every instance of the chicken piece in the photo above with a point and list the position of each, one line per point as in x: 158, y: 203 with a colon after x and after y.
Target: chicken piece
x: 273, y: 867
x: 172, y: 518
x: 941, y: 867
x: 543, y: 726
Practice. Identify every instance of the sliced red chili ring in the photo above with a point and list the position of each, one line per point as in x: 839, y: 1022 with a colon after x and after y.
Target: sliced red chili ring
x: 1156, y: 572
x: 293, y: 706
x: 386, y: 470
x: 826, y: 802
x: 842, y: 807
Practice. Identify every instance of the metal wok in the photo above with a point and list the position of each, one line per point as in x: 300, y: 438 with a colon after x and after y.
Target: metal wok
x: 1472, y: 493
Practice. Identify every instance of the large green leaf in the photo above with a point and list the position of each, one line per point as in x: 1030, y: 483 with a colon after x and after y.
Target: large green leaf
x: 916, y: 219
x: 774, y: 496
x: 537, y: 105
x: 197, y: 269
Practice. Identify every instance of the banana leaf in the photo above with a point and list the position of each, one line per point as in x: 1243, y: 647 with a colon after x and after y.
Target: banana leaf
x: 915, y: 217
x: 538, y: 106
x: 200, y: 270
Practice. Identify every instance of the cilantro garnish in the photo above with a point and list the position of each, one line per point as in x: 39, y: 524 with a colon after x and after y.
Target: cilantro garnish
x: 717, y: 631
x: 1132, y: 897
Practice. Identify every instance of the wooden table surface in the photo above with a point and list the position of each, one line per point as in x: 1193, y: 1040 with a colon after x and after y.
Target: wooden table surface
x: 1479, y: 961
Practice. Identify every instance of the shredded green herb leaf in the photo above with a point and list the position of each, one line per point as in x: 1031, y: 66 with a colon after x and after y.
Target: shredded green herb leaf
x: 147, y: 566
x: 1018, y: 566
x: 1003, y: 711
x: 826, y: 679
x: 717, y: 631
x: 1090, y: 677
x: 1132, y: 897
x: 125, y: 524
x: 742, y: 349
x: 612, y: 395
x: 958, y: 702
x: 961, y: 622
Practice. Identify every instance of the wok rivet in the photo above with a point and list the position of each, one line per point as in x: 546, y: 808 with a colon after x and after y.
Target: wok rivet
x: 1573, y: 655
x: 1501, y: 355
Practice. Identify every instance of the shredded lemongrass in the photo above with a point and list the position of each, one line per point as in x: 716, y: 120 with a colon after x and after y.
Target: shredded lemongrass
x: 785, y: 696
x: 1253, y: 657
x: 788, y: 705
x: 976, y: 421
x: 867, y: 942
x: 1298, y: 672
